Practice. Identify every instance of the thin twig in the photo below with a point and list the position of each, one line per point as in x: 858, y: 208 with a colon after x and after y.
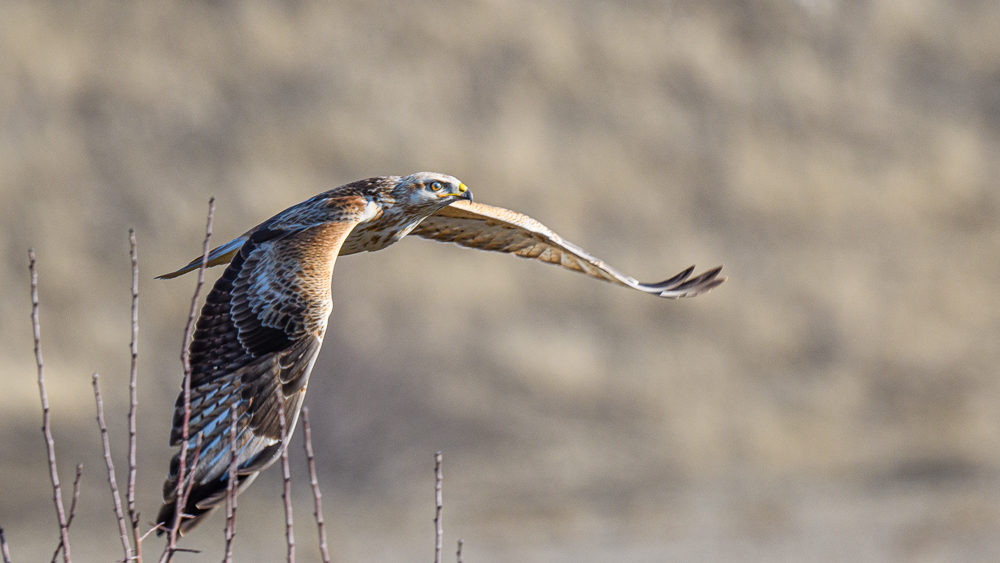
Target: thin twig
x: 286, y: 493
x: 155, y: 528
x: 112, y: 481
x: 4, y: 548
x: 133, y: 516
x: 76, y: 494
x: 183, y: 493
x: 46, y: 428
x: 438, y: 478
x: 231, y: 491
x: 458, y: 554
x: 194, y: 463
x: 55, y: 555
x: 171, y: 547
x: 72, y: 507
x: 317, y: 495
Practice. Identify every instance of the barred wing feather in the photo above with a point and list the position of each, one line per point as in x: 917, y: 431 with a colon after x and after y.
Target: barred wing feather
x: 485, y: 227
x: 257, y: 339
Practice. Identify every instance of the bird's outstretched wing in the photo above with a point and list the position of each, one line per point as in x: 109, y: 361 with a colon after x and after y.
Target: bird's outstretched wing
x: 485, y: 227
x: 257, y: 338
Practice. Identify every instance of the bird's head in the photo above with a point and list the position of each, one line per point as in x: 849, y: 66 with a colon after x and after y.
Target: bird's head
x: 406, y: 201
x: 430, y: 189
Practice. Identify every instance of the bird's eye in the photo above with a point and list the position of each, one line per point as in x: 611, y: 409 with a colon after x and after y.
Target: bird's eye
x: 436, y: 186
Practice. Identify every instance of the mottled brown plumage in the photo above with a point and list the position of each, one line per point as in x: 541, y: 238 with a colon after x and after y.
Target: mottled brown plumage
x: 262, y: 326
x: 263, y: 323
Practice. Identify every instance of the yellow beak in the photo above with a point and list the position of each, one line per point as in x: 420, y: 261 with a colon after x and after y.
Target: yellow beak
x: 463, y: 192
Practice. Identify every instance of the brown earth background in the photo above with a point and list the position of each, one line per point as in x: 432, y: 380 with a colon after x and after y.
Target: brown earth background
x: 836, y: 400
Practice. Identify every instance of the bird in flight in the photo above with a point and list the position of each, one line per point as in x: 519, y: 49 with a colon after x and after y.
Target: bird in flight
x: 263, y: 323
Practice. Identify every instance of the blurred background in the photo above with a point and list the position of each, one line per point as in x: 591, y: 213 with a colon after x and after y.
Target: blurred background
x: 836, y: 400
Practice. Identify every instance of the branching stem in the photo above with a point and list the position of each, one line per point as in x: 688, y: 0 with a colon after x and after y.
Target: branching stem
x: 46, y: 427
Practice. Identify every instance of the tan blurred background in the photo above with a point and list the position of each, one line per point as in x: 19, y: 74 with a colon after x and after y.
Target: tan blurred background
x: 836, y: 400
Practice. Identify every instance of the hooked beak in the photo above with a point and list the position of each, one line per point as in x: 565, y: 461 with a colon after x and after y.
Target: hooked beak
x: 462, y: 192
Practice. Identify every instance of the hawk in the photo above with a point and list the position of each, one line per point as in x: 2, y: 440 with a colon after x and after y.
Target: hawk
x: 262, y: 324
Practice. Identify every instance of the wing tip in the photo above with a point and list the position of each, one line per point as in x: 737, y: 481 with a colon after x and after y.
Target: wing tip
x: 682, y: 285
x: 215, y: 258
x: 190, y: 267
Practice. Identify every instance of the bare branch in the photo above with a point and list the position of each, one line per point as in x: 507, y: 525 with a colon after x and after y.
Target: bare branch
x: 286, y: 494
x: 133, y: 516
x: 194, y: 463
x: 46, y: 428
x: 76, y: 494
x: 112, y: 481
x: 317, y: 495
x: 171, y: 546
x: 150, y: 531
x: 458, y: 554
x: 231, y: 490
x: 72, y: 507
x: 4, y: 548
x: 438, y: 478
